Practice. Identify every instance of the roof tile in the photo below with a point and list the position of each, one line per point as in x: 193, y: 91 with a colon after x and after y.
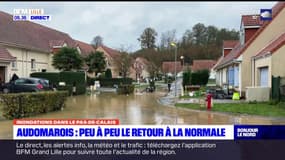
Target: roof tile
x: 202, y: 64
x: 230, y: 43
x: 169, y: 67
x: 4, y: 54
x: 85, y: 48
x: 251, y: 20
x: 30, y: 35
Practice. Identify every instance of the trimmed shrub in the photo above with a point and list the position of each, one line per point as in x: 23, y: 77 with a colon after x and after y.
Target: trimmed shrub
x: 108, y: 73
x: 80, y: 89
x: 106, y: 82
x: 126, y: 89
x: 68, y: 77
x: 186, y: 78
x: 71, y: 77
x: 20, y: 105
x: 200, y: 77
x: 51, y: 76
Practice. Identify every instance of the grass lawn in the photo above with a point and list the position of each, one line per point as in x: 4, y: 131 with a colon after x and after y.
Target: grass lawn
x: 141, y: 85
x: 262, y: 109
x: 195, y: 96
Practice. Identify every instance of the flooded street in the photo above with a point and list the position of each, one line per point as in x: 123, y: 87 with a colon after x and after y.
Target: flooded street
x: 138, y: 109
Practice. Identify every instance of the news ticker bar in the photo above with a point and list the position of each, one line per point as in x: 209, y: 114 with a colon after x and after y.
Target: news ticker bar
x: 109, y: 129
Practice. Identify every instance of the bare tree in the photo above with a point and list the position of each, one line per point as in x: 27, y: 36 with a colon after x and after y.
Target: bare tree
x: 123, y: 64
x: 97, y: 41
x: 166, y: 38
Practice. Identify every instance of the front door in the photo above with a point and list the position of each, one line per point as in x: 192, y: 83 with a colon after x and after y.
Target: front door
x: 2, y: 74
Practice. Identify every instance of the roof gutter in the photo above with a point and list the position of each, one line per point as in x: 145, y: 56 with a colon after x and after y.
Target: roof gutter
x: 22, y: 46
x: 6, y: 60
x: 228, y: 63
x: 261, y: 56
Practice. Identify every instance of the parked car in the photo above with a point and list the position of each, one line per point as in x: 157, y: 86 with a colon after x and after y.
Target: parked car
x: 218, y: 93
x: 26, y: 85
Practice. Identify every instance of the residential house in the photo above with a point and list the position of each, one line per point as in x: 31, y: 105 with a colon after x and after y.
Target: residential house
x: 111, y: 56
x: 225, y: 72
x: 214, y: 74
x: 27, y: 47
x: 203, y: 64
x: 259, y: 54
x: 168, y: 68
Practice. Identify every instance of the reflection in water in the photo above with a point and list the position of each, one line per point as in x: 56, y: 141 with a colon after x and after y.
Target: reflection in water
x: 138, y: 109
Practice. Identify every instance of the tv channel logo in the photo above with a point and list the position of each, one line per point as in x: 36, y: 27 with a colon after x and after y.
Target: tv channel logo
x: 30, y: 15
x: 265, y: 14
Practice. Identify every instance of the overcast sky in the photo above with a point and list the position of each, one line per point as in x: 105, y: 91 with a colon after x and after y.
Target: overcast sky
x: 121, y: 23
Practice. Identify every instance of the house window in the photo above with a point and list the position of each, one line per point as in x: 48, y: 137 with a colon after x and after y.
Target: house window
x: 231, y: 76
x: 33, y: 63
x: 263, y: 76
x: 14, y: 64
x: 236, y: 76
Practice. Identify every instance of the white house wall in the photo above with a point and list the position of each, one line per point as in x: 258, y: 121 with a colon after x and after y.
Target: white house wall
x: 23, y: 64
x: 224, y: 76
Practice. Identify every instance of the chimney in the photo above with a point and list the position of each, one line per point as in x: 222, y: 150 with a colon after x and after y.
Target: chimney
x: 228, y: 46
x: 249, y: 26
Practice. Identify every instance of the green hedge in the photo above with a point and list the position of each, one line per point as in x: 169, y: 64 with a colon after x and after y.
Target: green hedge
x: 200, y: 77
x: 68, y: 77
x: 109, y: 82
x: 126, y: 89
x: 26, y: 104
x: 186, y: 78
x: 53, y: 77
x: 80, y: 89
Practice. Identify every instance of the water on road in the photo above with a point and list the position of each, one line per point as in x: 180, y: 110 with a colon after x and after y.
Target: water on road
x: 143, y: 108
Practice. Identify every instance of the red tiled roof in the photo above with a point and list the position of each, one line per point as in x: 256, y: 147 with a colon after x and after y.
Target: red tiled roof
x: 169, y: 67
x: 251, y: 20
x: 230, y: 43
x: 4, y: 54
x: 218, y: 61
x: 85, y: 48
x: 273, y: 46
x: 202, y: 64
x: 113, y: 53
x: 30, y: 35
x: 53, y: 43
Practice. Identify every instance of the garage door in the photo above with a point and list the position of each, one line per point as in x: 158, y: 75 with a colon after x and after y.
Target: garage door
x: 264, y: 76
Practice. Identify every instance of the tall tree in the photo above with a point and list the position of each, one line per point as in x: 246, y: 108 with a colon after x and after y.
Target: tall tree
x: 95, y: 62
x: 200, y: 33
x: 97, y: 41
x: 67, y: 59
x: 148, y: 38
x: 166, y: 38
x: 188, y: 38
